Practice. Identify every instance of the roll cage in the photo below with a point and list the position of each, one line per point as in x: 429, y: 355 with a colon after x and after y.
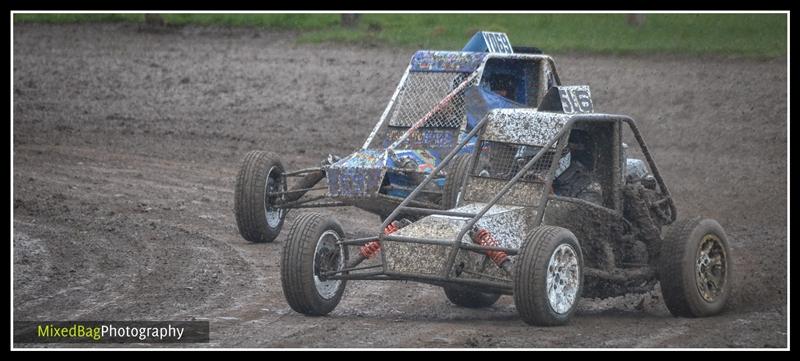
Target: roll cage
x: 555, y: 143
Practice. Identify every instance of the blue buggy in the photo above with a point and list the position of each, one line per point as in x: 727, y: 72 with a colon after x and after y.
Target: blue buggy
x: 439, y: 100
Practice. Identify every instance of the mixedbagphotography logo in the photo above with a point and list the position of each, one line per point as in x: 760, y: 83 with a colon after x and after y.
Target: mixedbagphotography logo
x: 111, y: 331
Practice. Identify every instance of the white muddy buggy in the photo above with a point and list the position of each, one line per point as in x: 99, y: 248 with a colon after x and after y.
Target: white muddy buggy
x: 515, y: 230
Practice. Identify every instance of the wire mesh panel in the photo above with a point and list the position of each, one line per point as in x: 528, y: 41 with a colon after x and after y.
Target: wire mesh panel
x: 503, y: 161
x: 422, y: 92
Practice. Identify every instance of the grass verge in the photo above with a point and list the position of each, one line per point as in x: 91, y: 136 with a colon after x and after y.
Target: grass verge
x: 759, y: 35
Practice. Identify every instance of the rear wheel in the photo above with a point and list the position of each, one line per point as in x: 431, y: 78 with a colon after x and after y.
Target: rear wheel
x: 456, y: 172
x: 471, y: 299
x: 309, y: 252
x: 548, y: 276
x: 695, y: 267
x: 257, y: 217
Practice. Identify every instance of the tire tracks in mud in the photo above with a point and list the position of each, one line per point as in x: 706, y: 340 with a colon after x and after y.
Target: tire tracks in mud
x: 152, y: 251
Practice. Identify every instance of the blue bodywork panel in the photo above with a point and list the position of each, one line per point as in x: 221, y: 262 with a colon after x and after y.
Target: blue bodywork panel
x: 358, y: 175
x: 420, y: 152
x: 407, y: 169
x: 480, y: 100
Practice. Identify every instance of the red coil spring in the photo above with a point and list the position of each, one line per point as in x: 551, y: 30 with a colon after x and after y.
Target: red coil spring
x: 484, y: 238
x: 370, y: 249
x: 392, y: 227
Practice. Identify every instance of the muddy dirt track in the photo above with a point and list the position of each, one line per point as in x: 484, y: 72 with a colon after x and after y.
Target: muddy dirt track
x: 127, y: 143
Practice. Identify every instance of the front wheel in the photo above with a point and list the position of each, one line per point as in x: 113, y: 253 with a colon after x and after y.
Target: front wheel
x: 311, y: 249
x: 695, y: 268
x: 258, y: 190
x: 548, y: 276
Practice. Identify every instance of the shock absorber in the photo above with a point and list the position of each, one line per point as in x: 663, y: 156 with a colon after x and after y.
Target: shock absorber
x: 372, y: 248
x: 482, y: 237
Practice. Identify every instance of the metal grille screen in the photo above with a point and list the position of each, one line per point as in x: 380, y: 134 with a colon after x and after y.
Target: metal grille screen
x: 503, y: 160
x: 422, y: 92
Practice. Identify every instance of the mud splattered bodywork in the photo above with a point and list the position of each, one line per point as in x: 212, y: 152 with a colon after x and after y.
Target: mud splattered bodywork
x: 521, y: 126
x: 505, y: 223
x: 482, y: 189
x: 447, y: 61
x: 359, y: 175
x: 598, y: 231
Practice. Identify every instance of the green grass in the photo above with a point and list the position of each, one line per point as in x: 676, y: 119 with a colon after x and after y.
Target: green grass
x: 278, y: 21
x: 761, y: 35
